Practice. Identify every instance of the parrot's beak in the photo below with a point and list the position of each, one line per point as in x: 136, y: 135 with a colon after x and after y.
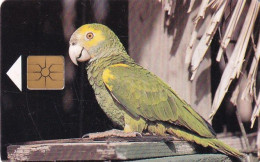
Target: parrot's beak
x: 78, y: 53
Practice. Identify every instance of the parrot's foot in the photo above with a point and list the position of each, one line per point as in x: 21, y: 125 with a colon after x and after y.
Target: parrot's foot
x: 112, y: 133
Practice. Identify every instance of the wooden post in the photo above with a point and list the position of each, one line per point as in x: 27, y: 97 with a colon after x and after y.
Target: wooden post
x: 161, y: 49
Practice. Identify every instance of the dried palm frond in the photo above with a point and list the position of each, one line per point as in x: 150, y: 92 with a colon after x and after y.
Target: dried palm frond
x: 235, y: 63
x: 202, y: 11
x: 231, y: 27
x: 206, y: 39
x: 200, y: 15
x: 169, y: 8
x: 240, y: 59
x: 251, y: 88
x: 251, y: 82
x: 256, y: 110
x: 215, y: 4
x: 195, y: 54
x: 191, y: 5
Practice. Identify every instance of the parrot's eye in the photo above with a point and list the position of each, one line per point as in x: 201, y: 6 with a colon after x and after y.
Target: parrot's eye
x: 89, y: 35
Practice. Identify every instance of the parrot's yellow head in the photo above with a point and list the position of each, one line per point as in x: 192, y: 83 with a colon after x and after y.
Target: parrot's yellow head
x: 88, y: 42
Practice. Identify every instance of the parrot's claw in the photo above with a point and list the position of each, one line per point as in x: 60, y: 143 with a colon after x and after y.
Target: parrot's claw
x: 112, y: 133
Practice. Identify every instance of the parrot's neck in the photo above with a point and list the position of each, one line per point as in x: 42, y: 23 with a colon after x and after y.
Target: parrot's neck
x: 96, y: 67
x: 109, y: 50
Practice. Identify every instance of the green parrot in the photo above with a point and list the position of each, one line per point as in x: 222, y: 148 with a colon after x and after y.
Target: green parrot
x: 134, y: 98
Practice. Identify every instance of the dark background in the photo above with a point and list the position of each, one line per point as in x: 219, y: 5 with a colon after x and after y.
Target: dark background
x: 35, y: 28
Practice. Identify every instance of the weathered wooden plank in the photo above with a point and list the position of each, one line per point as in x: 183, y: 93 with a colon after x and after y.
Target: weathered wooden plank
x: 114, y: 148
x: 191, y: 158
x: 96, y: 150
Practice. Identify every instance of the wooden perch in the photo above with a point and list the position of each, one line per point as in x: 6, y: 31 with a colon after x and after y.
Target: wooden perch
x: 109, y: 149
x: 112, y: 148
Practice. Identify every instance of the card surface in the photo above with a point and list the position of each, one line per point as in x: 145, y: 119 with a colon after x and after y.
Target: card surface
x: 43, y: 94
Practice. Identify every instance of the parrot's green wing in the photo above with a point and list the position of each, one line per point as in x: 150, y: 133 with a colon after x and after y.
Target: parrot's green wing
x: 143, y: 94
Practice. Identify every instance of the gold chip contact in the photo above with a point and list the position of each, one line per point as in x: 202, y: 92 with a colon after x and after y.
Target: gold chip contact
x: 45, y: 72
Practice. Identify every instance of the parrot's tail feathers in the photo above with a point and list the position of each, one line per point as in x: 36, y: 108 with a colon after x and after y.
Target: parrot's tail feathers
x: 224, y: 148
x: 205, y: 142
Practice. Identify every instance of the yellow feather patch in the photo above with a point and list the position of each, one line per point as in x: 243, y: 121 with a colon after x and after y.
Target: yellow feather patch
x: 127, y: 129
x: 120, y: 65
x: 106, y: 77
x: 98, y: 36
